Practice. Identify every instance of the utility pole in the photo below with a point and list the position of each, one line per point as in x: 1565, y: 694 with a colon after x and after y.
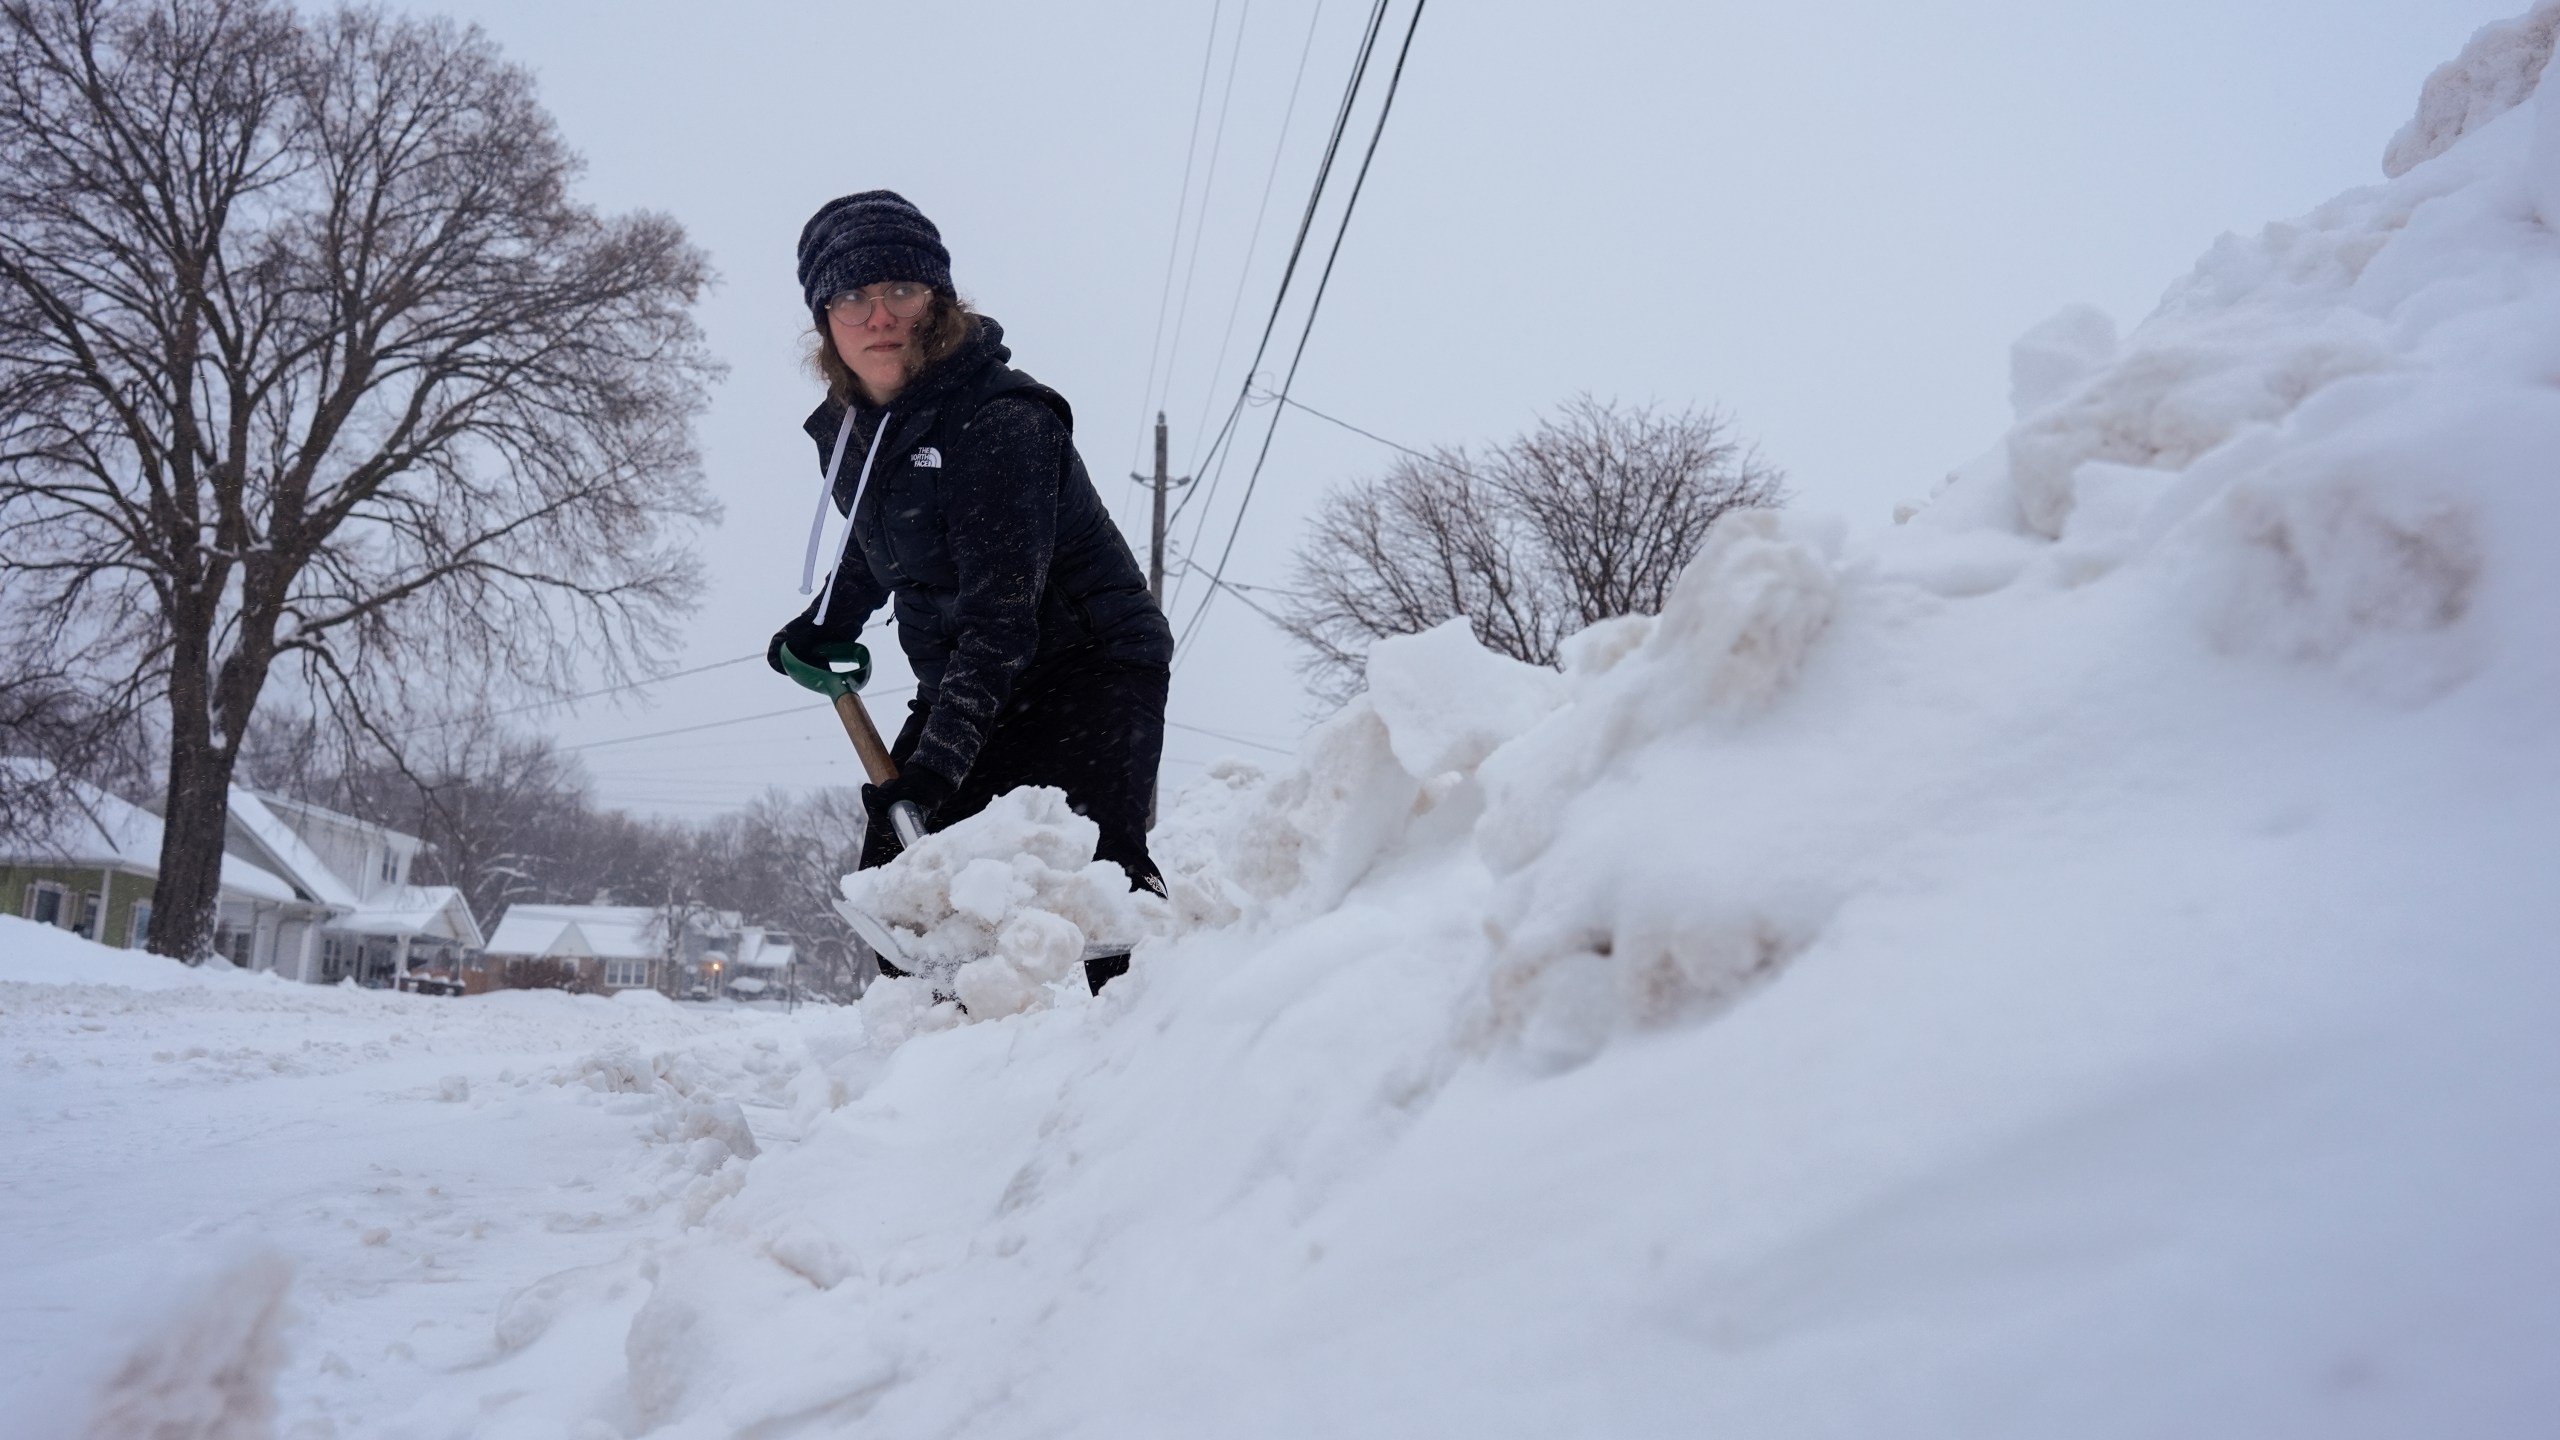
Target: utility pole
x: 1163, y: 482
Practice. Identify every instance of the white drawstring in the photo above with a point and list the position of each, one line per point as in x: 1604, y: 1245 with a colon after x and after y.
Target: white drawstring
x: 826, y: 489
x: 859, y: 483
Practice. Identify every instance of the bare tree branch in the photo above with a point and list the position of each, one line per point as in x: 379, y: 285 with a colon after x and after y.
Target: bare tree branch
x: 1591, y: 514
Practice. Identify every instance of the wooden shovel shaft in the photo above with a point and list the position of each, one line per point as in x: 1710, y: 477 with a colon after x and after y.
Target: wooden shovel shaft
x: 866, y: 740
x: 904, y: 817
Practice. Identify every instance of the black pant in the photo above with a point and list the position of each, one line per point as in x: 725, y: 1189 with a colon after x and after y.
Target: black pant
x: 1094, y: 730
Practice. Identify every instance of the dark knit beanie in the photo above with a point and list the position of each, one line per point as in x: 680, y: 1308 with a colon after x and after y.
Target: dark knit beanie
x: 864, y: 239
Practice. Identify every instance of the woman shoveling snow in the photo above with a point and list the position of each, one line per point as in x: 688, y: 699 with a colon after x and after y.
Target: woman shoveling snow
x: 1039, y: 656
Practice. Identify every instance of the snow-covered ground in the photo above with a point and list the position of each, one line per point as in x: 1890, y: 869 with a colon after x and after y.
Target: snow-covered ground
x: 2077, y: 963
x: 185, y: 1148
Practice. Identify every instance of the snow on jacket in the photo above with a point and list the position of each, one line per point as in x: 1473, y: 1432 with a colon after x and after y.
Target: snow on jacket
x: 979, y: 519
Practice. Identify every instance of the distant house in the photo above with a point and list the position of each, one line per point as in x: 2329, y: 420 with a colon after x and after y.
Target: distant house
x: 760, y: 966
x: 604, y: 948
x: 381, y: 930
x: 99, y: 872
x: 718, y: 953
x: 598, y: 948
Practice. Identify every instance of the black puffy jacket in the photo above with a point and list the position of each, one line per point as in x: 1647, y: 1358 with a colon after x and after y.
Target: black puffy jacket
x: 980, y: 520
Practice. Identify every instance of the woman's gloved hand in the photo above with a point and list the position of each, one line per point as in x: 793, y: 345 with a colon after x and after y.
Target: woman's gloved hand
x: 804, y: 635
x: 925, y: 787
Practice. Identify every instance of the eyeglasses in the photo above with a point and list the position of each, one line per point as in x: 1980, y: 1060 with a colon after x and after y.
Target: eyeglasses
x: 905, y: 299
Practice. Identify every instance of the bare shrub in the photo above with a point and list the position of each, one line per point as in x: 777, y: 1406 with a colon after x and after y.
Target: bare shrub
x: 1591, y: 514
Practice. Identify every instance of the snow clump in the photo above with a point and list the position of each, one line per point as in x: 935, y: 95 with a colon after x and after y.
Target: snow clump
x: 1448, y: 702
x: 999, y: 909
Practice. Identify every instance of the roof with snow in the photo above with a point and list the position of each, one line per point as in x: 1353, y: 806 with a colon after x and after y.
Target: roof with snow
x: 116, y: 834
x: 758, y: 950
x: 610, y: 932
x: 290, y: 854
x: 432, y: 911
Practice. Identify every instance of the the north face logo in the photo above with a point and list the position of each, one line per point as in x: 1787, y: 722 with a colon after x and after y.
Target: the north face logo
x: 928, y: 458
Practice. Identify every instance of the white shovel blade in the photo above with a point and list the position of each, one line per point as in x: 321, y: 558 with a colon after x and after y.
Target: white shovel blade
x: 886, y: 943
x: 877, y: 934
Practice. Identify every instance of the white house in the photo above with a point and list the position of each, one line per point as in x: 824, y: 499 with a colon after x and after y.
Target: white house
x: 380, y: 929
x: 588, y: 947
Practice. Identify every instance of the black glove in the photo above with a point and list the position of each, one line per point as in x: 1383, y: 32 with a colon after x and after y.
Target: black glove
x: 911, y: 734
x: 925, y: 787
x: 804, y: 635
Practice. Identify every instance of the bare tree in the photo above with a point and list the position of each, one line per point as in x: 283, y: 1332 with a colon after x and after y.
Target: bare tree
x: 787, y: 854
x: 1591, y: 514
x: 50, y: 728
x: 309, y: 358
x: 506, y: 817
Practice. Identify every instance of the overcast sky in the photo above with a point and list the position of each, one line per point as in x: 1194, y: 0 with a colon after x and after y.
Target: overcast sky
x: 1826, y: 221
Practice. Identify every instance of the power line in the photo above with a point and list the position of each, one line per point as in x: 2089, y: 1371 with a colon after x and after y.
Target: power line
x: 1208, y: 188
x: 1219, y: 582
x: 1288, y: 272
x: 1181, y: 206
x: 1443, y: 461
x: 714, y: 724
x: 574, y: 699
x: 1232, y: 739
x: 689, y: 729
x: 1377, y: 133
x: 1253, y: 238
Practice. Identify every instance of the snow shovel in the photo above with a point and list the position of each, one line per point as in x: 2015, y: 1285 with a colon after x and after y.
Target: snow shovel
x: 841, y: 668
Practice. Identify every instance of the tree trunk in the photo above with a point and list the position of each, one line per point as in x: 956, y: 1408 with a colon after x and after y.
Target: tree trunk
x: 198, y: 813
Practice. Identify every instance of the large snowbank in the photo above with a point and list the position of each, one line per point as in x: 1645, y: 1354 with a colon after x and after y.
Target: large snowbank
x: 2073, y: 963
x: 49, y: 955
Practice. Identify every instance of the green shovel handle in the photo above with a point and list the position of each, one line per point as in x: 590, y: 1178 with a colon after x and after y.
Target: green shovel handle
x: 819, y: 672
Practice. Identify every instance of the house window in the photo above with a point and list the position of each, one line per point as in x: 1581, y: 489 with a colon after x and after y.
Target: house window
x: 333, y: 958
x: 624, y: 974
x: 93, y: 915
x: 44, y: 902
x: 233, y: 945
x: 138, y: 929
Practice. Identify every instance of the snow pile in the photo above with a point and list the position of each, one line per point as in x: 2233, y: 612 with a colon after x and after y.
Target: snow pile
x: 1284, y: 847
x: 2338, y: 425
x: 35, y: 954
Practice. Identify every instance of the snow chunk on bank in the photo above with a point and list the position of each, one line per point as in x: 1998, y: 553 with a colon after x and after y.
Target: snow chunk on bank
x: 2493, y: 75
x: 1448, y: 702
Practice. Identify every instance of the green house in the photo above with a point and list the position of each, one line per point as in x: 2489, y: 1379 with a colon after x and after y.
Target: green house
x: 97, y: 873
